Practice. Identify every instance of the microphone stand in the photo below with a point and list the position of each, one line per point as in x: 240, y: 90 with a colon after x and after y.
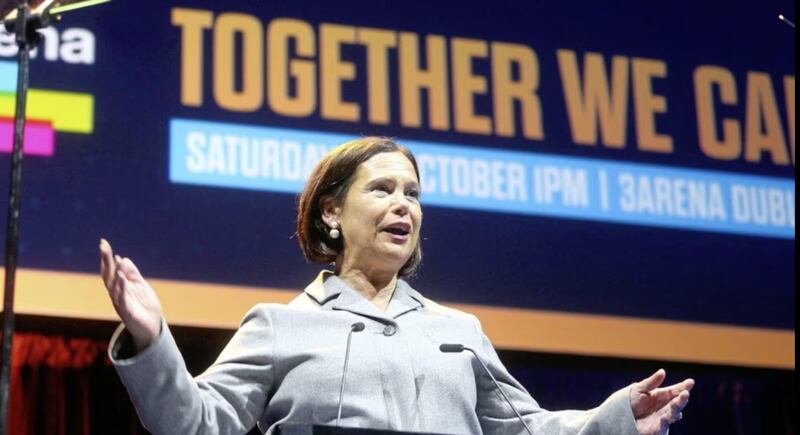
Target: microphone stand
x: 24, y: 25
x: 25, y: 30
x: 457, y: 348
x: 355, y: 327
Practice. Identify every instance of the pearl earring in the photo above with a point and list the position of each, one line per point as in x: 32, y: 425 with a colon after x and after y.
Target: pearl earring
x: 334, y: 232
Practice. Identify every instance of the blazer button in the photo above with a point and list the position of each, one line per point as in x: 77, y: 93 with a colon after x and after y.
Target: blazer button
x: 389, y: 330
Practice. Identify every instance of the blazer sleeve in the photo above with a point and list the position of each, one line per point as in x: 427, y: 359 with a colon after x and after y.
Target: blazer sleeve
x: 614, y: 416
x: 227, y: 398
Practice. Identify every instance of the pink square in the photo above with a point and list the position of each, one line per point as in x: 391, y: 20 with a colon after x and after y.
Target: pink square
x: 39, y: 137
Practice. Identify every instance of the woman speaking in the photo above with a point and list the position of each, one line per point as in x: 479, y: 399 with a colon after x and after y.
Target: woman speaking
x: 359, y: 211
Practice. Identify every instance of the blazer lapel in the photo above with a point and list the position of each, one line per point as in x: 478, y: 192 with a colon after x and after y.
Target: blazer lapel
x: 332, y: 293
x: 404, y: 300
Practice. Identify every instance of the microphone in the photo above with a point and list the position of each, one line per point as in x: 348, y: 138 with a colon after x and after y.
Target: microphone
x: 786, y: 20
x: 451, y: 348
x: 458, y: 348
x: 355, y: 327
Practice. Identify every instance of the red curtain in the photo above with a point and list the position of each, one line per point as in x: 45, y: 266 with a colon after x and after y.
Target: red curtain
x: 65, y: 386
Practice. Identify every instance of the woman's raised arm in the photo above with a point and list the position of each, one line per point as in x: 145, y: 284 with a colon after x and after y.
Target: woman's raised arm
x: 134, y: 300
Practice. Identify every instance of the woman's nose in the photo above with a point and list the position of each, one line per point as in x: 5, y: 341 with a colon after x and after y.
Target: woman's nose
x: 400, y: 204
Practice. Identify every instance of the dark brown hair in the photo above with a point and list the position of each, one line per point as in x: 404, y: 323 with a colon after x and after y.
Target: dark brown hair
x: 332, y: 178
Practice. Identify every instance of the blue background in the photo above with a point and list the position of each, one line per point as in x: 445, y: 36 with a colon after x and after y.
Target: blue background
x: 115, y: 182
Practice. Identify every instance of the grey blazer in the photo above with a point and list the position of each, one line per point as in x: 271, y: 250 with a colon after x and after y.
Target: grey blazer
x: 284, y: 364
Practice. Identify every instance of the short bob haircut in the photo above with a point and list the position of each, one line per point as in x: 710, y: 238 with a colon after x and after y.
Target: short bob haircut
x: 331, y: 178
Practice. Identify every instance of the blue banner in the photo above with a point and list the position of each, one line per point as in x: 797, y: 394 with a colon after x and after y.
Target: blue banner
x: 279, y: 160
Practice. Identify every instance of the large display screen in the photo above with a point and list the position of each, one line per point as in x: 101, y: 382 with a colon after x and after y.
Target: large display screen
x: 632, y: 160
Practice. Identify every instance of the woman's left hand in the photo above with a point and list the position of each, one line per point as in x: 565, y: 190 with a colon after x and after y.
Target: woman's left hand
x: 655, y: 409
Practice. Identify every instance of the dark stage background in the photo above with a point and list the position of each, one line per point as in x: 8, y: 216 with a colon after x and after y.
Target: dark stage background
x: 90, y: 399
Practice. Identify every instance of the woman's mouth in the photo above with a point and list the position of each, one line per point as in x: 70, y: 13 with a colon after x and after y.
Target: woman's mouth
x: 398, y: 232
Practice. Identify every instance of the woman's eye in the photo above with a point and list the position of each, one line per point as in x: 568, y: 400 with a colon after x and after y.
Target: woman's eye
x: 413, y: 194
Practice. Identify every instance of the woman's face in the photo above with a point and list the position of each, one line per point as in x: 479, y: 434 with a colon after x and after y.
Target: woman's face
x: 380, y: 216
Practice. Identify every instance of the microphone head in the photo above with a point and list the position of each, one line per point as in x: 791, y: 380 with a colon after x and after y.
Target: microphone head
x: 357, y: 327
x: 451, y: 348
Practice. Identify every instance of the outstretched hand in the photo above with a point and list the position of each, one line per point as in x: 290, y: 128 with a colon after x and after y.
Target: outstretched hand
x: 654, y: 408
x: 134, y: 300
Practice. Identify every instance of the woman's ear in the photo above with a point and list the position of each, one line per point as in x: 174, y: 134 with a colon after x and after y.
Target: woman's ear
x: 329, y: 211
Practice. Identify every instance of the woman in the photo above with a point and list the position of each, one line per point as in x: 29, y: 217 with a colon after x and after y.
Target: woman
x: 360, y: 211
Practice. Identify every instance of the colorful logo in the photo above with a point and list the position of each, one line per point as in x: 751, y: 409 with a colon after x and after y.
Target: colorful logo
x: 47, y: 112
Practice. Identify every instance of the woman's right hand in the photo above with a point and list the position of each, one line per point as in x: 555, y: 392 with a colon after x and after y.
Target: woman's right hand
x: 134, y: 300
